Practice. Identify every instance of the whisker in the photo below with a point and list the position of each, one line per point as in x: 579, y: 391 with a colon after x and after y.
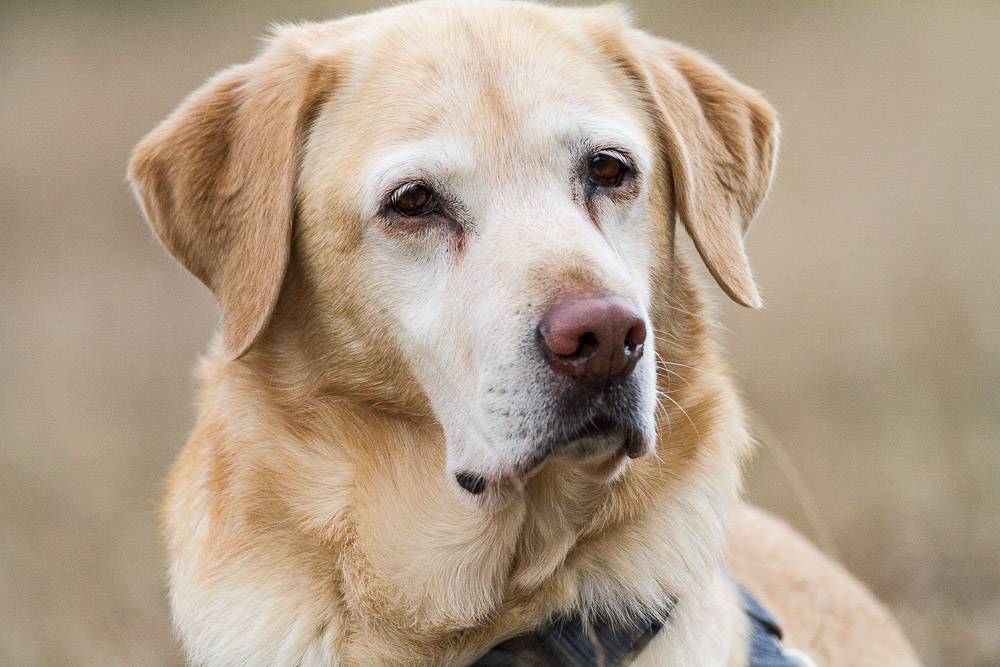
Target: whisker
x: 672, y: 372
x: 679, y: 365
x: 709, y: 322
x: 667, y: 334
x: 681, y: 408
x: 661, y: 412
x: 664, y: 365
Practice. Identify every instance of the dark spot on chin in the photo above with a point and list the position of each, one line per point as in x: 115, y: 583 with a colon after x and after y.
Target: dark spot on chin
x: 471, y: 482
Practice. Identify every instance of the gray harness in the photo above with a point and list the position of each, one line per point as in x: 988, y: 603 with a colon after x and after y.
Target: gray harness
x: 573, y: 642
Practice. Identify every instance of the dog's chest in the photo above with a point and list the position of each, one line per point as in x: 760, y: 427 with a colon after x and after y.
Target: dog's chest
x: 467, y: 583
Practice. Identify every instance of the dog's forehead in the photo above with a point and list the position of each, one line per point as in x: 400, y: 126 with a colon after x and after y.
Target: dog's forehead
x: 504, y: 78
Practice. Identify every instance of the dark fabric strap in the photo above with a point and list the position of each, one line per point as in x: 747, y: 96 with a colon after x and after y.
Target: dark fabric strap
x: 765, y: 635
x: 572, y: 642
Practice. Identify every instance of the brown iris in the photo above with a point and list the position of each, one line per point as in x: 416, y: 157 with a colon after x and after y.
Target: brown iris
x: 606, y: 170
x: 414, y: 200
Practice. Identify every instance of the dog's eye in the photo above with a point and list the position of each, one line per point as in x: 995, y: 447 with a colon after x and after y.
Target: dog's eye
x: 606, y: 170
x: 413, y: 200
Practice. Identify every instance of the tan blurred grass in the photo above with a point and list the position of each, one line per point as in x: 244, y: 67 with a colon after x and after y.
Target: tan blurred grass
x: 876, y: 365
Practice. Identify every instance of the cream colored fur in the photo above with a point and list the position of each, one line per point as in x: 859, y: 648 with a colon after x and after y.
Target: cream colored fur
x: 314, y: 518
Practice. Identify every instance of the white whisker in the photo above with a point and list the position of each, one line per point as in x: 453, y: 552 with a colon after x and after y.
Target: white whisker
x: 665, y: 395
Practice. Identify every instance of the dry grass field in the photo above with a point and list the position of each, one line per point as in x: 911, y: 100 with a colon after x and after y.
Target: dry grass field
x: 873, y: 375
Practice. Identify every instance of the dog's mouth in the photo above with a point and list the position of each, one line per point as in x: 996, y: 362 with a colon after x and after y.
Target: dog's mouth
x: 593, y: 429
x: 600, y: 445
x: 597, y: 433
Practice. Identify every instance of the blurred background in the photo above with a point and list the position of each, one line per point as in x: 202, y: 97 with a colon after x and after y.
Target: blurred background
x: 873, y: 375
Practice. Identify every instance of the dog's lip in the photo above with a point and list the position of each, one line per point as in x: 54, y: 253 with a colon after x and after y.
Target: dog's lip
x: 599, y: 426
x: 610, y: 467
x: 604, y: 463
x: 635, y: 445
x: 531, y: 464
x: 630, y: 440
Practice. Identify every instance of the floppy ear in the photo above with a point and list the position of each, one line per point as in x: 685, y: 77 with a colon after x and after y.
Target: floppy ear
x: 721, y: 140
x: 216, y: 181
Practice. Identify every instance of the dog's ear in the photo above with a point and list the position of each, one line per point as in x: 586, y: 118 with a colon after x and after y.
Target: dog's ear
x: 216, y: 181
x: 721, y: 139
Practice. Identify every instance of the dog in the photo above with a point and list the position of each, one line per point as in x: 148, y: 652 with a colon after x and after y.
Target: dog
x: 465, y: 383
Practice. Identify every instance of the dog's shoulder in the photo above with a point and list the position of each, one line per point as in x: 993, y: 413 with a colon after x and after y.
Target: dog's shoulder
x: 823, y: 610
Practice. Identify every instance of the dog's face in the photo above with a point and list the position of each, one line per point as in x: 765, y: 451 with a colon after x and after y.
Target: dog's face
x: 484, y: 192
x: 502, y: 205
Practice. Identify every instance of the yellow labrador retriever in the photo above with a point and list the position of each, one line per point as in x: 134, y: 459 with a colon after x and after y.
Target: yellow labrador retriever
x: 464, y: 385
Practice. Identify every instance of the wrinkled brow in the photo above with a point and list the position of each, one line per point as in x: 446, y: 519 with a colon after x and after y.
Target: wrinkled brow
x: 589, y: 133
x: 426, y: 162
x: 435, y: 162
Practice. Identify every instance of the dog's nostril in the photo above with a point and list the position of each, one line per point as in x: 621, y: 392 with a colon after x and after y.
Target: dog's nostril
x: 588, y: 344
x: 471, y: 482
x: 635, y: 337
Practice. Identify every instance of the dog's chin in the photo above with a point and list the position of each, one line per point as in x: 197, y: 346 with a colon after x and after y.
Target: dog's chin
x: 601, y: 455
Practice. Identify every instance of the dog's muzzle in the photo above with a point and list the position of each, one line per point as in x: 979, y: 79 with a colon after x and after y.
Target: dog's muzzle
x: 590, y: 346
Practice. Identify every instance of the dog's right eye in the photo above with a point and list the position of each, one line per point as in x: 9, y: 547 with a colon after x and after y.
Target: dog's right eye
x: 413, y: 200
x: 606, y: 170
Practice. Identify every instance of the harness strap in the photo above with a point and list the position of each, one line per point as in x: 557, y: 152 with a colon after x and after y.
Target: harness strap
x: 572, y: 641
x: 765, y: 637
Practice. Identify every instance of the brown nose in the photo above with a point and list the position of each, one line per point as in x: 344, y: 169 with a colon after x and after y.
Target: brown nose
x: 594, y: 338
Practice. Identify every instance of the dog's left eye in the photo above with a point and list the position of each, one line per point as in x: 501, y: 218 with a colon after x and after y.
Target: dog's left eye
x: 413, y: 200
x: 606, y: 170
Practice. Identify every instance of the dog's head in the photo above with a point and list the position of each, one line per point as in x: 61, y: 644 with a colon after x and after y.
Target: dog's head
x: 477, y: 200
